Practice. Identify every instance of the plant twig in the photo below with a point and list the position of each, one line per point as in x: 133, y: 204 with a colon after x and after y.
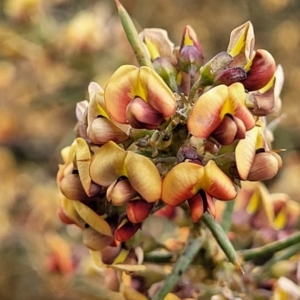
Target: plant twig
x: 271, y: 248
x: 133, y: 37
x: 285, y: 255
x: 191, y: 249
x: 222, y: 240
x: 227, y: 214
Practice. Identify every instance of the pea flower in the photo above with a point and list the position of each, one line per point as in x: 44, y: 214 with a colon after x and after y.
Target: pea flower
x: 139, y: 97
x: 253, y: 161
x: 221, y: 111
x: 259, y: 65
x: 101, y: 128
x: 197, y: 184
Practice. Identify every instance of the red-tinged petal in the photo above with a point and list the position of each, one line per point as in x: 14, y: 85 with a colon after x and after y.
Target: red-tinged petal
x: 141, y: 115
x: 120, y: 91
x: 92, y: 218
x: 143, y: 176
x: 83, y: 160
x: 197, y: 207
x: 238, y: 96
x: 216, y: 183
x: 245, y: 152
x: 126, y: 230
x: 210, y: 205
x: 103, y: 130
x: 64, y: 217
x: 226, y: 131
x: 261, y: 71
x: 107, y: 164
x: 241, y: 129
x: 206, y: 113
x: 158, y: 94
x: 265, y: 166
x: 120, y: 192
x: 138, y: 210
x: 181, y: 183
x: 189, y: 37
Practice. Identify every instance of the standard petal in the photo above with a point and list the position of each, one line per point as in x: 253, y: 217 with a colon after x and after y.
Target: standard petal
x: 158, y: 94
x: 120, y: 90
x: 143, y: 176
x: 107, y: 164
x: 181, y: 183
x: 206, y: 113
x: 217, y: 184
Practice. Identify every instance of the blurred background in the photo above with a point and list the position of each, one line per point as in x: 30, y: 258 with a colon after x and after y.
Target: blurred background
x: 49, y: 52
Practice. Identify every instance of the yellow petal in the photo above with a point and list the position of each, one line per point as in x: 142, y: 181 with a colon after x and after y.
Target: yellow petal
x: 206, y: 114
x: 107, y: 164
x: 158, y: 94
x: 241, y: 44
x: 92, y: 218
x: 120, y: 91
x: 83, y: 160
x: 181, y: 183
x: 245, y: 152
x: 143, y: 176
x: 96, y: 105
x: 217, y: 183
x: 130, y: 293
x: 68, y: 208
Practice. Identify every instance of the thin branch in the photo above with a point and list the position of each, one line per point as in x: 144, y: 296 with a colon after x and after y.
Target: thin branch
x: 271, y: 248
x: 191, y: 249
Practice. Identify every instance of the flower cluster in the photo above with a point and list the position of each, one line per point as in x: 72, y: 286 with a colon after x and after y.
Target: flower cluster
x: 182, y: 130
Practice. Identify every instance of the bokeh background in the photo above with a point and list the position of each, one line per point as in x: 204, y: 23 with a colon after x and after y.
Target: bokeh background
x: 49, y: 52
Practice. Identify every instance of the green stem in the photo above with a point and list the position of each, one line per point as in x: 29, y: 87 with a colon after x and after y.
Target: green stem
x: 191, y: 249
x: 271, y: 248
x: 227, y: 214
x: 194, y: 89
x: 222, y: 240
x: 285, y: 255
x: 133, y: 37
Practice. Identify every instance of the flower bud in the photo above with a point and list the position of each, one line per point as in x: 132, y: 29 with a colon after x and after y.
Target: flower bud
x: 166, y: 71
x: 72, y: 188
x: 120, y: 192
x: 261, y: 71
x: 138, y: 210
x: 190, y: 60
x: 211, y: 69
x: 230, y: 75
x: 126, y: 230
x: 265, y: 166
